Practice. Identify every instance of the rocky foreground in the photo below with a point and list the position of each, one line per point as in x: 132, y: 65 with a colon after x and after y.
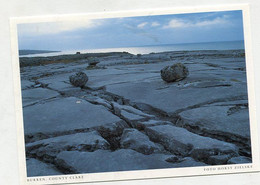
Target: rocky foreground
x: 127, y: 118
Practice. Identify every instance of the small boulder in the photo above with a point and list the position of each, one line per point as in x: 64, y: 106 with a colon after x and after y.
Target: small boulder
x: 174, y: 73
x: 93, y: 61
x: 79, y: 79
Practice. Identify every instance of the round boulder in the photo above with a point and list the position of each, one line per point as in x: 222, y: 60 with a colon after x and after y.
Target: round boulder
x: 79, y: 79
x: 174, y: 73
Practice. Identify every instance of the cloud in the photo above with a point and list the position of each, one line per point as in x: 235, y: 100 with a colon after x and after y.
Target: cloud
x: 181, y: 23
x: 176, y: 23
x: 141, y: 25
x: 54, y: 27
x: 154, y: 24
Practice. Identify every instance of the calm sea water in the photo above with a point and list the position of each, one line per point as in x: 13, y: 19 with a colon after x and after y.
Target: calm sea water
x: 230, y: 45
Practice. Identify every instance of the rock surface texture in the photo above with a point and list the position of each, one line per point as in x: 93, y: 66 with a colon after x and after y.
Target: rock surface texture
x: 174, y: 73
x: 127, y: 118
x: 79, y: 79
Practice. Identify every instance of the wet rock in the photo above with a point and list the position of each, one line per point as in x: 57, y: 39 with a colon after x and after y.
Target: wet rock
x: 106, y: 161
x: 79, y: 79
x: 240, y: 160
x: 37, y: 168
x: 180, y: 141
x: 133, y: 139
x: 174, y: 73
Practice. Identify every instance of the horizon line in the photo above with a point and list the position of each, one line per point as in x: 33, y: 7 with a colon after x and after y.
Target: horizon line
x: 134, y: 46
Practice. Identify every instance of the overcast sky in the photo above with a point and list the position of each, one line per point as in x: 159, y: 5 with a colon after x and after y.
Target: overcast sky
x: 132, y: 31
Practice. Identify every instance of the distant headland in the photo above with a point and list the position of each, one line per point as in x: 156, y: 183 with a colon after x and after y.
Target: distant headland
x: 29, y: 52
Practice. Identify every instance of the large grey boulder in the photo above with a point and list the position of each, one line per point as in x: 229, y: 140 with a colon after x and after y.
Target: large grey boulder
x: 174, y: 73
x: 79, y: 79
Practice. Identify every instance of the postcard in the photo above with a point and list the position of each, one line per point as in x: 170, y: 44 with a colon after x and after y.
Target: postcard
x: 134, y: 95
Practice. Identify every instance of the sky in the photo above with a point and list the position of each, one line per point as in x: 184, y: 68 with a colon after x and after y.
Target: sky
x: 132, y: 31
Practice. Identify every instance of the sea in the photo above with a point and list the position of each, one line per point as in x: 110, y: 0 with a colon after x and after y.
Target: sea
x: 227, y: 45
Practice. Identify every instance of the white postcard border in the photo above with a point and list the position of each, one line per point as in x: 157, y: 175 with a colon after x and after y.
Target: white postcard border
x: 140, y: 174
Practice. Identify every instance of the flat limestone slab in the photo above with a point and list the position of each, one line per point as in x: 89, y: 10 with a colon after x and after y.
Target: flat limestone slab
x: 38, y: 168
x: 26, y: 84
x: 88, y: 141
x: 179, y: 140
x: 64, y: 115
x: 239, y: 160
x: 220, y: 119
x: 150, y: 123
x: 58, y: 82
x: 31, y: 96
x: 130, y: 109
x: 130, y: 116
x: 171, y: 98
x: 136, y: 140
x: 207, y: 82
x: 120, y: 160
x: 99, y: 81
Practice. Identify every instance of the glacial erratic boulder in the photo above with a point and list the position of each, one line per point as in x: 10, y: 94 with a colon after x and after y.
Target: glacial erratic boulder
x: 79, y: 79
x: 174, y: 73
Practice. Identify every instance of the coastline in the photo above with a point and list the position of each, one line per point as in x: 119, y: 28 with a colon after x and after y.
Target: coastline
x: 67, y: 58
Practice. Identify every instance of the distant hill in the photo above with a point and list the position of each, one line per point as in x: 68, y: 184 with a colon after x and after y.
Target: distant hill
x: 29, y: 52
